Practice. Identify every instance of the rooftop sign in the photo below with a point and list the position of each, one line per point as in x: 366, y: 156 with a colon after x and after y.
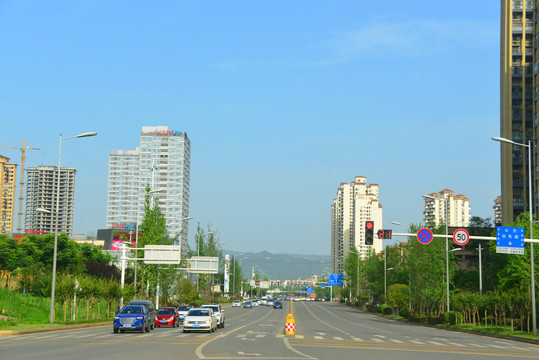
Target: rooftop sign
x: 168, y: 132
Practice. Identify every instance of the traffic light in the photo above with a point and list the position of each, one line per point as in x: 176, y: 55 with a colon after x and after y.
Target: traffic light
x: 369, y: 232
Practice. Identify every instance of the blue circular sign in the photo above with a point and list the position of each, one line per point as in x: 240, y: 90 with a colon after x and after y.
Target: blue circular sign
x: 424, y: 236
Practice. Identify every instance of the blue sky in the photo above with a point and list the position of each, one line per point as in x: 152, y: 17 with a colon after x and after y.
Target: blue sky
x: 282, y: 101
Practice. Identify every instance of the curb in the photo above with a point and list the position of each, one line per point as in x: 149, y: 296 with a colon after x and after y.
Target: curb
x: 52, y: 328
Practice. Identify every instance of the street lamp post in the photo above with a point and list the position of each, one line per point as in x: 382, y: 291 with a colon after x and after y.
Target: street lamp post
x: 409, y: 278
x: 530, y: 205
x: 53, y: 282
x: 446, y: 245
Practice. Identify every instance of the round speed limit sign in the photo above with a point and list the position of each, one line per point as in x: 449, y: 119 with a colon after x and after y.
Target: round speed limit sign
x: 461, y: 237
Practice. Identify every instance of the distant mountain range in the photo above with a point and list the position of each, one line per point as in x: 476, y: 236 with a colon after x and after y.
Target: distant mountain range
x: 282, y: 266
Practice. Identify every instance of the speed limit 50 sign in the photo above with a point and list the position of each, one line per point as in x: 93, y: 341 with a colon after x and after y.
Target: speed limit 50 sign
x: 461, y: 237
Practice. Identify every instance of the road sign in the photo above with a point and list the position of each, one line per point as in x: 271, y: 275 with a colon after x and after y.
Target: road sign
x: 335, y: 280
x: 323, y: 286
x: 509, y: 240
x: 162, y: 254
x: 461, y: 237
x: 204, y: 265
x: 424, y: 236
x: 384, y: 234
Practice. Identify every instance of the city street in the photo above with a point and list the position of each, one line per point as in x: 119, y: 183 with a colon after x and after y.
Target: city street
x: 323, y: 331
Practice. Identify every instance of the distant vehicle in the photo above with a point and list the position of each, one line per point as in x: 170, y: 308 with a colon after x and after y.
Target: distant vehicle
x: 200, y: 319
x: 247, y: 304
x: 263, y: 300
x: 132, y: 318
x: 218, y: 313
x: 255, y: 303
x: 277, y: 305
x: 149, y: 305
x: 269, y: 302
x: 167, y: 316
x: 296, y: 298
x: 236, y: 303
x: 182, y: 310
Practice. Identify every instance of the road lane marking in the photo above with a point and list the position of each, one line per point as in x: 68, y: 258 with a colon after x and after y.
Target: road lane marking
x: 338, y: 338
x: 377, y: 340
x: 436, y: 343
x: 319, y: 337
x: 299, y: 337
x: 397, y: 341
x: 357, y: 339
x: 417, y: 342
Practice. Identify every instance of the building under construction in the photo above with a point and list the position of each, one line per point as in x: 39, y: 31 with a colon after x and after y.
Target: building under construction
x: 40, y: 205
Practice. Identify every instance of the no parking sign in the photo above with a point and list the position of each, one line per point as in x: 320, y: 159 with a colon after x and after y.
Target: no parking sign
x: 424, y: 236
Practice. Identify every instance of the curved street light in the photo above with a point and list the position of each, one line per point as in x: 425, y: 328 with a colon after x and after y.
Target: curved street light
x: 53, y: 283
x: 530, y: 205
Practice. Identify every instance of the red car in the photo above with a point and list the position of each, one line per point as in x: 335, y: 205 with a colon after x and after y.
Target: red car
x: 167, y: 316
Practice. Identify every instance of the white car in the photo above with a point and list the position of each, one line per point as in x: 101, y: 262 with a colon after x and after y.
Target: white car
x: 218, y: 313
x: 236, y: 303
x: 199, y: 319
x: 255, y: 303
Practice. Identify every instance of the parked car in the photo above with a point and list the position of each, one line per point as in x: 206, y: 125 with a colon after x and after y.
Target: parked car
x: 132, y: 317
x: 149, y: 305
x: 247, y: 304
x: 218, y: 313
x: 277, y: 305
x: 182, y: 310
x: 167, y: 316
x: 236, y: 303
x: 199, y: 319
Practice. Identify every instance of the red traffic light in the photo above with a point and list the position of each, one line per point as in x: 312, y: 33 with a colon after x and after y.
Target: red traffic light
x: 369, y: 224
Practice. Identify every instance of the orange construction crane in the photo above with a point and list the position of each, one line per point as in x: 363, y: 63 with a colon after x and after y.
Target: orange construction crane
x: 23, y: 157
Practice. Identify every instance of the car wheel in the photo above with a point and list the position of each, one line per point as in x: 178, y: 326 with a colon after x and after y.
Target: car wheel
x: 184, y: 330
x: 115, y: 330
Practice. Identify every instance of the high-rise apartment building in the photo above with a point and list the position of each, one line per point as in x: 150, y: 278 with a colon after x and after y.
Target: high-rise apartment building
x: 162, y: 161
x: 497, y: 211
x: 41, y: 195
x: 7, y: 195
x: 446, y: 205
x: 519, y: 92
x: 355, y: 204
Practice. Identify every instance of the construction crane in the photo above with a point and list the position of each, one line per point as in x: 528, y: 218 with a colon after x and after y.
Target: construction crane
x: 23, y: 157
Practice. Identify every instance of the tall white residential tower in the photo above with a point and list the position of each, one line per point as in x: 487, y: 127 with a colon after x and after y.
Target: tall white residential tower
x: 457, y: 205
x: 355, y: 204
x: 163, y: 162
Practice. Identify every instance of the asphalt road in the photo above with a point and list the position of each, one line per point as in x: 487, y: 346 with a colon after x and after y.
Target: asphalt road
x: 323, y: 331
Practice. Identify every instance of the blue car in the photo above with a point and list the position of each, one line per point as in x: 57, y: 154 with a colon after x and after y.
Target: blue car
x: 132, y: 317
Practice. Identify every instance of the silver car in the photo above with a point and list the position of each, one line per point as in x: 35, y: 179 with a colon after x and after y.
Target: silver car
x: 199, y: 319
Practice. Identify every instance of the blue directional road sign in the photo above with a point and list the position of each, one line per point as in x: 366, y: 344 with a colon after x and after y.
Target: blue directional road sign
x: 309, y: 290
x: 323, y: 286
x: 335, y: 280
x: 509, y: 240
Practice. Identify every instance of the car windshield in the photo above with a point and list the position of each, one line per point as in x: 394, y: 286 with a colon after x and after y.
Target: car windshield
x: 131, y: 310
x: 214, y: 308
x: 165, y: 311
x: 184, y: 308
x: 198, y: 312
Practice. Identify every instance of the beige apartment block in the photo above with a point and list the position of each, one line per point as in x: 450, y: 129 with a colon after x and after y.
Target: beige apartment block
x: 355, y: 204
x: 446, y: 205
x: 8, y: 176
